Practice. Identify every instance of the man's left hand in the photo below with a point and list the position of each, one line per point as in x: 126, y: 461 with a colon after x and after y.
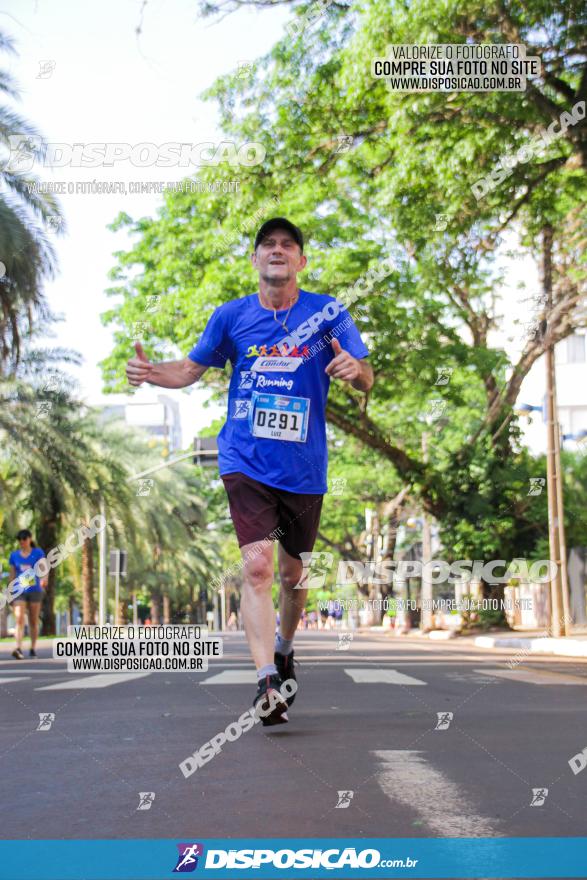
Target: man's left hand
x: 343, y: 365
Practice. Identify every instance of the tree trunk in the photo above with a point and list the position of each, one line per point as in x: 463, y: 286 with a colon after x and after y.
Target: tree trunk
x: 393, y: 510
x: 155, y: 609
x: 496, y: 592
x: 89, y: 602
x: 47, y: 540
x: 4, y: 622
x: 166, y: 609
x: 374, y: 590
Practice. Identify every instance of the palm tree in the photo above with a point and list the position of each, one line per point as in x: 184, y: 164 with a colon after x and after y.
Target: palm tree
x: 41, y: 429
x: 164, y: 533
x: 106, y: 472
x: 69, y: 462
x: 26, y: 254
x: 174, y: 550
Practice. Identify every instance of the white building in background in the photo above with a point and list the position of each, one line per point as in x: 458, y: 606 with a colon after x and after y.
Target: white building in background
x: 571, y: 388
x: 571, y: 382
x: 156, y: 414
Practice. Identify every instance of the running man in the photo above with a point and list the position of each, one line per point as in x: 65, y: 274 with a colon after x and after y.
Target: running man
x: 22, y: 563
x: 285, y: 345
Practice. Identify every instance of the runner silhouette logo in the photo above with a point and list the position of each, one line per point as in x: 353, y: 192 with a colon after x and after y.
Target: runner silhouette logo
x: 316, y: 567
x: 187, y: 860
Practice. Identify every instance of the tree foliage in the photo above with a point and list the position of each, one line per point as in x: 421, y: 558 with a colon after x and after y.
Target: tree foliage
x: 367, y: 172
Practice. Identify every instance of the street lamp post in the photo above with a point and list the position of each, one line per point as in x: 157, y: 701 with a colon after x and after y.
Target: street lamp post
x: 102, y: 541
x: 553, y: 496
x: 559, y: 593
x: 556, y: 525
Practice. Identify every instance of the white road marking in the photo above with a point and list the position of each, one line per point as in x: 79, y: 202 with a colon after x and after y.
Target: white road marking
x: 535, y: 676
x: 381, y: 676
x: 29, y: 661
x: 33, y: 671
x: 14, y: 678
x: 94, y: 681
x: 232, y: 676
x: 469, y: 678
x: 405, y: 776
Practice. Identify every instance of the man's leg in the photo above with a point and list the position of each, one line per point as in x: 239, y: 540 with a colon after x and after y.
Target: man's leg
x: 291, y: 605
x: 299, y: 521
x: 256, y: 603
x: 254, y: 508
x: 254, y: 512
x: 259, y: 620
x: 291, y: 601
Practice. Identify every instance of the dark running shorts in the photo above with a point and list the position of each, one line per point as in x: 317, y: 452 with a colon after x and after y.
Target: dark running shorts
x: 33, y: 596
x: 258, y: 510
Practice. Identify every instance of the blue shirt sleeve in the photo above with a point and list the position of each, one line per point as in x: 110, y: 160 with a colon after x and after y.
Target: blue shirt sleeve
x: 12, y: 560
x: 345, y: 330
x: 214, y: 347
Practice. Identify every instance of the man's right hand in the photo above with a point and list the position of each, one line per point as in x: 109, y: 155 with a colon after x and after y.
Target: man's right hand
x: 139, y: 368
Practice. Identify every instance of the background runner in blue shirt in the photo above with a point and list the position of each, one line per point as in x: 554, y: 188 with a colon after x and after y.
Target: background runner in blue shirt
x: 28, y: 590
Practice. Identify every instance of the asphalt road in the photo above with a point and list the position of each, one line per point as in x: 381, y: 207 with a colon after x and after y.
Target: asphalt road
x: 363, y: 722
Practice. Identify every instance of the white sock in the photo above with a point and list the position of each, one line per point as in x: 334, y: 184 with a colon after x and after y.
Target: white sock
x: 283, y: 646
x: 268, y: 669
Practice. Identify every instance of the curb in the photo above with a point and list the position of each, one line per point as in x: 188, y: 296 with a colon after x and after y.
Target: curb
x: 441, y: 635
x: 561, y: 647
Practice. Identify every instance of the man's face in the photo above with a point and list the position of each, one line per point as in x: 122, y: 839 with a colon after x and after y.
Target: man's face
x: 278, y: 257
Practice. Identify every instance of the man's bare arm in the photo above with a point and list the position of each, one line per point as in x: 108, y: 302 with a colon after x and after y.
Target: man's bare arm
x: 170, y: 374
x: 364, y: 381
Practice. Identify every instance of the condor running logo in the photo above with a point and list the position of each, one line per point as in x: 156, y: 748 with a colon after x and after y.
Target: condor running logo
x: 187, y: 859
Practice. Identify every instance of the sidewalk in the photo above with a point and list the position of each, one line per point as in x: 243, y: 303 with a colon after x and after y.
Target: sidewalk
x: 536, y: 642
x: 533, y: 641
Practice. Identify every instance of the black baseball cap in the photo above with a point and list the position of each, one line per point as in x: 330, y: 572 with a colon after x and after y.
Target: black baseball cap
x: 280, y: 223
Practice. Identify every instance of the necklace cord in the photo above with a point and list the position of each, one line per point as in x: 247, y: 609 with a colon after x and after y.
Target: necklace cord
x: 283, y: 324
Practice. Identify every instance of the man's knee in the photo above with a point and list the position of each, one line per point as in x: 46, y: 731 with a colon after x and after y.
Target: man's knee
x: 258, y: 573
x: 290, y: 575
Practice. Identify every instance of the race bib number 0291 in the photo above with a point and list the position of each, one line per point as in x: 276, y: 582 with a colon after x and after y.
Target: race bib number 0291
x: 279, y: 418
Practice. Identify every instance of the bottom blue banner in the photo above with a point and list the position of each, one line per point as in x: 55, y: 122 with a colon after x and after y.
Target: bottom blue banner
x: 294, y: 857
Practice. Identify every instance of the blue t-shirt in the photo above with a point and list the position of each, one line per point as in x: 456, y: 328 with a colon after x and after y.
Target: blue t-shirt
x: 275, y: 431
x: 23, y: 565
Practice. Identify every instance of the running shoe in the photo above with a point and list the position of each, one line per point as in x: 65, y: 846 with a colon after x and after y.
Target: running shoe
x: 285, y: 670
x: 269, y: 703
x: 17, y: 654
x: 32, y: 653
